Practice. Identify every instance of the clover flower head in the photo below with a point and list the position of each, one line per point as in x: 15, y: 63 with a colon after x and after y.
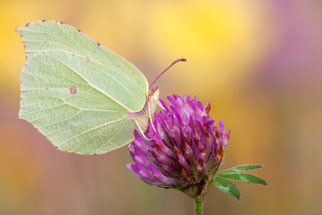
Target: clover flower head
x: 184, y: 150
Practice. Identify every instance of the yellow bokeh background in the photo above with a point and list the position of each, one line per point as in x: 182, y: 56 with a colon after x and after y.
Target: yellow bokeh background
x: 257, y: 62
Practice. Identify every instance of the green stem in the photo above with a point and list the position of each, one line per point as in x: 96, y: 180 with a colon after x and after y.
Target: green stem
x: 198, y: 207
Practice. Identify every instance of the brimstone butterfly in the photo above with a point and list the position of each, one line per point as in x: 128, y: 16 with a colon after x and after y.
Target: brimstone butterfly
x: 80, y: 95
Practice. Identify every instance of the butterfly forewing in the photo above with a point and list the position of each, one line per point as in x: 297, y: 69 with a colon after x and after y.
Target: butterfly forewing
x: 76, y: 92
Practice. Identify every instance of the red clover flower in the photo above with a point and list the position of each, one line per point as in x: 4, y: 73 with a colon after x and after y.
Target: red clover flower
x: 185, y: 147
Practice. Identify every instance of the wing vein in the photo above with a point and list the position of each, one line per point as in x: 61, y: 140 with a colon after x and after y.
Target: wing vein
x: 103, y: 65
x: 91, y: 129
x: 93, y: 59
x: 93, y: 86
x: 60, y: 121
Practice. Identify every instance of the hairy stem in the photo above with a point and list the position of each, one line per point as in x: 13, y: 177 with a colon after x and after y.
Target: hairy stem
x: 198, y: 207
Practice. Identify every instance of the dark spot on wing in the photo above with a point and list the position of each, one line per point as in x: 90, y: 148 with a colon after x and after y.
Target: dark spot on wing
x: 98, y: 44
x: 73, y: 90
x: 87, y: 59
x: 43, y: 20
x: 27, y: 24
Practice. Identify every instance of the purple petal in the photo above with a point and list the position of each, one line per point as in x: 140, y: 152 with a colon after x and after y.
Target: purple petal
x: 174, y: 102
x: 221, y: 126
x: 160, y: 177
x: 165, y: 105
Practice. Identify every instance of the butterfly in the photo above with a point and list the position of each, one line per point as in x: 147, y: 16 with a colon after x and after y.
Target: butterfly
x: 83, y: 97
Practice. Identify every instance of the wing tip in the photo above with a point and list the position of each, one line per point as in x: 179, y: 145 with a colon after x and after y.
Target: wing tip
x: 18, y: 29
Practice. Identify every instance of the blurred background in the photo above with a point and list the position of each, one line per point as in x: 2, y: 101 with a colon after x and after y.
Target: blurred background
x: 258, y: 62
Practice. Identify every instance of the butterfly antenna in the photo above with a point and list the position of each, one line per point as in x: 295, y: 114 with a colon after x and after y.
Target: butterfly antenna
x: 174, y: 62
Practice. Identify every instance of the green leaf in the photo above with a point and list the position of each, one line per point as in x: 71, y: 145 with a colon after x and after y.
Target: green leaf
x: 244, y: 177
x: 76, y: 92
x: 239, y: 169
x: 227, y: 187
